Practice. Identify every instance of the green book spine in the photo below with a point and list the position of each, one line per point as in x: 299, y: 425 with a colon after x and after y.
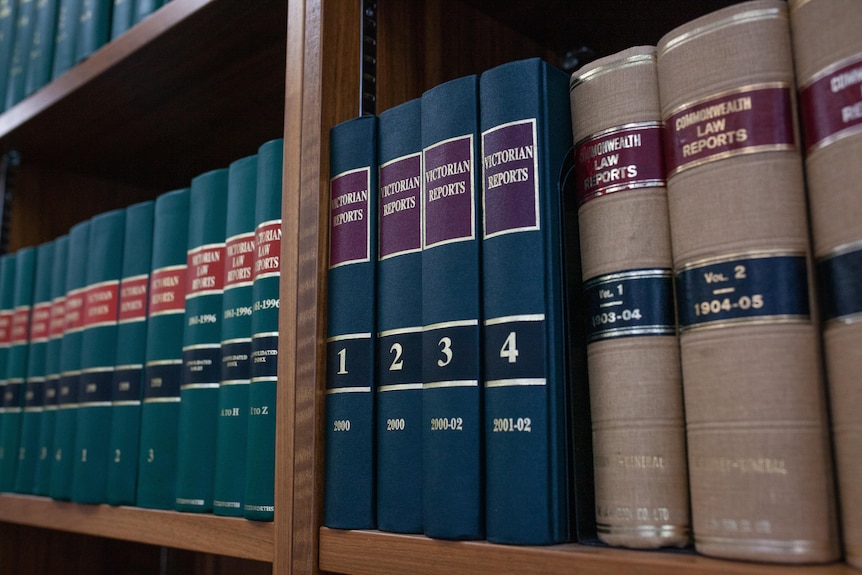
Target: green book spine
x: 52, y: 365
x: 163, y: 361
x: 202, y: 342
x: 8, y: 21
x: 31, y: 419
x: 7, y: 294
x: 21, y: 52
x: 66, y: 419
x: 144, y: 8
x: 66, y: 33
x: 42, y: 48
x: 129, y: 362
x: 16, y: 366
x: 98, y: 351
x: 260, y: 465
x: 94, y: 27
x: 232, y: 432
x: 122, y: 17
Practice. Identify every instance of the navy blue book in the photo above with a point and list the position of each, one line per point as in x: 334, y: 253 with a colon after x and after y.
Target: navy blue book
x: 17, y: 72
x: 526, y: 131
x: 451, y: 349
x: 349, y: 476
x: 399, y: 320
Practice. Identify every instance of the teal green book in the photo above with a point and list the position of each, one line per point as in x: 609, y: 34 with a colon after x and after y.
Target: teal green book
x: 24, y: 27
x: 98, y: 351
x: 7, y: 311
x: 42, y: 47
x: 128, y: 376
x: 16, y: 367
x: 66, y: 419
x: 8, y: 22
x: 65, y: 37
x: 122, y: 17
x: 202, y: 342
x: 52, y: 366
x: 163, y: 360
x: 34, y: 389
x: 144, y: 8
x: 235, y: 378
x: 260, y: 465
x: 94, y: 27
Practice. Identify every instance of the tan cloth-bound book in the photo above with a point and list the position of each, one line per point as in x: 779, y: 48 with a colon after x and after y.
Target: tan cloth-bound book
x: 756, y: 415
x: 641, y: 482
x: 827, y: 45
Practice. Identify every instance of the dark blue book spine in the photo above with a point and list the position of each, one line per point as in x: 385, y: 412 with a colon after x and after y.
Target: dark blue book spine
x: 399, y: 320
x: 17, y: 71
x: 94, y: 27
x: 349, y: 501
x: 526, y: 134
x: 451, y: 349
x: 41, y: 54
x: 7, y: 312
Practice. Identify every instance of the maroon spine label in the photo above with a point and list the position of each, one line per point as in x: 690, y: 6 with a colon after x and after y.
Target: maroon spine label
x: 100, y: 304
x: 205, y: 265
x: 239, y: 267
x: 74, y: 309
x: 510, y: 167
x: 167, y: 290
x: 267, y: 242
x: 448, y: 192
x: 618, y: 159
x: 399, y: 216
x: 58, y: 318
x: 745, y: 121
x: 21, y: 325
x: 349, y: 233
x: 133, y: 298
x: 6, y: 327
x: 40, y: 323
x: 830, y: 103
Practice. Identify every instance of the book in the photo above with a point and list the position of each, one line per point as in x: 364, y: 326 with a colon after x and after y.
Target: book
x: 52, y: 366
x: 98, y: 350
x: 399, y: 320
x: 7, y: 311
x: 17, y: 72
x: 38, y: 69
x: 525, y: 127
x: 638, y: 423
x: 65, y: 39
x: 349, y: 497
x: 163, y: 359
x: 237, y: 308
x: 122, y: 17
x: 828, y: 61
x: 755, y: 405
x: 144, y: 8
x: 34, y: 397
x: 94, y: 27
x: 16, y: 366
x: 199, y: 390
x: 128, y: 377
x: 259, y: 502
x: 8, y: 23
x: 66, y: 417
x: 452, y: 440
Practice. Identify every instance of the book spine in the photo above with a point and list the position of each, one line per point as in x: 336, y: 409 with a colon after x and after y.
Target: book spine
x: 122, y: 17
x: 452, y: 440
x: 34, y: 396
x: 52, y: 366
x: 163, y: 360
x: 755, y: 401
x: 7, y: 311
x: 8, y: 22
x: 26, y: 17
x: 126, y: 385
x: 525, y: 136
x: 202, y: 342
x: 349, y: 501
x: 16, y: 367
x: 66, y: 37
x: 144, y: 8
x: 94, y: 23
x: 98, y: 350
x: 65, y: 424
x: 237, y: 309
x: 399, y: 320
x: 41, y: 54
x: 828, y: 62
x: 260, y: 464
x: 641, y: 475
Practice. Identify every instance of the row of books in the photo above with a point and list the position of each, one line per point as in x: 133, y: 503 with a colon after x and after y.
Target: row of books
x: 139, y: 350
x: 476, y: 262
x: 41, y: 39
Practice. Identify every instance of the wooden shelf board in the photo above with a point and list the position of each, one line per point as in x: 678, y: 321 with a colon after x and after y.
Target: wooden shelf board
x: 233, y: 537
x: 378, y: 553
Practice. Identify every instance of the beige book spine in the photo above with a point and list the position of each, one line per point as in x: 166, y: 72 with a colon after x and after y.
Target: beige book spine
x: 757, y: 428
x: 641, y: 483
x: 827, y: 47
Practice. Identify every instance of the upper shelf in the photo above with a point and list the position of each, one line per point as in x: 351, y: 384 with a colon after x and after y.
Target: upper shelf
x: 196, y: 85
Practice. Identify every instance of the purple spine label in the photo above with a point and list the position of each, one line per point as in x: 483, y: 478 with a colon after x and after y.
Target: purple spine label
x: 348, y: 217
x: 449, y: 207
x: 400, y: 217
x: 510, y: 191
x: 831, y: 103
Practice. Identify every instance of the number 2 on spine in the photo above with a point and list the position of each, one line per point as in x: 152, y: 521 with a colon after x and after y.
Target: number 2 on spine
x: 397, y: 362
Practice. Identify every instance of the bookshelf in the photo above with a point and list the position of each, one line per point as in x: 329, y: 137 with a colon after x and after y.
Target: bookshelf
x: 199, y: 84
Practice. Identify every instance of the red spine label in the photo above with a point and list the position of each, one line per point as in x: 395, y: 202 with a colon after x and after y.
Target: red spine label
x: 133, y: 298
x: 58, y: 318
x: 100, y: 304
x: 746, y: 121
x: 6, y: 327
x: 75, y: 310
x: 40, y: 323
x: 168, y: 290
x: 205, y: 270
x: 240, y: 261
x: 618, y: 159
x: 830, y: 104
x: 21, y: 325
x: 267, y: 241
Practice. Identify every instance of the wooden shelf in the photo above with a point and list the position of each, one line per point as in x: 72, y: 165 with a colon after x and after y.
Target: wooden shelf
x: 234, y: 537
